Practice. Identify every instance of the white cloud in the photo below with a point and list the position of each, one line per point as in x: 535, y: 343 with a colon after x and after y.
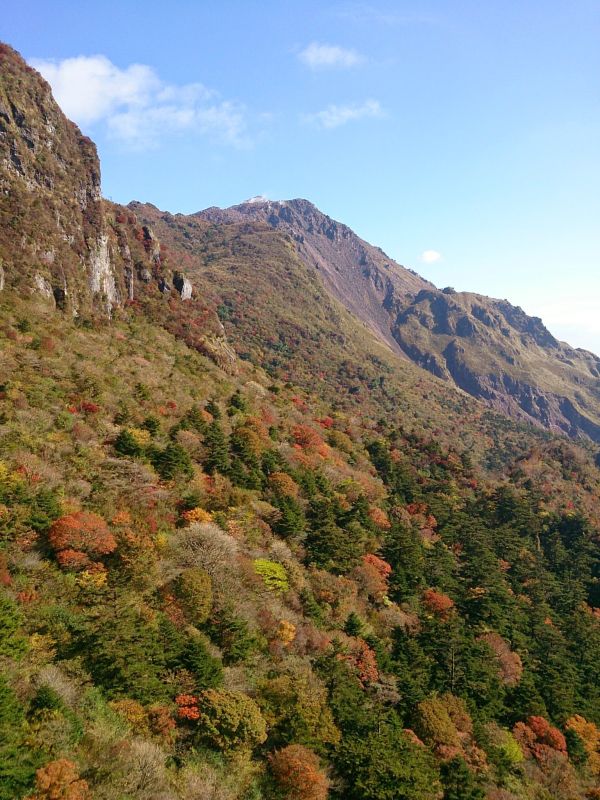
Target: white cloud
x: 320, y: 56
x: 136, y: 106
x: 333, y: 116
x: 430, y: 256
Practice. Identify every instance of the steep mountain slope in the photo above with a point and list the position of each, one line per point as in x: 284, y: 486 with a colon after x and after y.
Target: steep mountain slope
x: 486, y: 347
x: 278, y: 314
x: 217, y: 584
x: 496, y: 352
x: 361, y: 276
x: 60, y: 242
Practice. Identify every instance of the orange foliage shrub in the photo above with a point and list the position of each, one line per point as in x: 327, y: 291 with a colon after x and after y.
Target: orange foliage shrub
x: 438, y: 603
x: 282, y: 484
x: 382, y: 568
x: 537, y: 736
x: 73, y: 559
x: 160, y: 720
x: 83, y: 531
x: 5, y: 579
x: 121, y: 518
x: 589, y: 734
x: 373, y: 576
x: 187, y: 707
x: 59, y: 780
x: 133, y: 712
x: 307, y: 437
x: 297, y: 773
x: 197, y: 515
x: 325, y: 422
x: 363, y: 660
x: 335, y: 591
x: 379, y: 518
x: 286, y: 632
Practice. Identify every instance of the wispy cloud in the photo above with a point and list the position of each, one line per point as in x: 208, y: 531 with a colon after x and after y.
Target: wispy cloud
x: 430, y: 256
x: 136, y: 106
x: 333, y: 116
x: 323, y: 56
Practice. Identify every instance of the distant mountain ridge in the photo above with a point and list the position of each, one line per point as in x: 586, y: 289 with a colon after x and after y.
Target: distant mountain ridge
x: 361, y: 276
x: 486, y: 347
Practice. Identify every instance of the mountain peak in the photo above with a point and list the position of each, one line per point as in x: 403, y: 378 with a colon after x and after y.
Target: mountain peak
x: 358, y: 274
x: 259, y: 198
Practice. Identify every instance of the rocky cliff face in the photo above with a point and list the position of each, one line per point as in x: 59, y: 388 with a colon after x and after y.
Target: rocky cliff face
x: 496, y: 352
x: 60, y: 241
x: 53, y: 236
x: 58, y: 237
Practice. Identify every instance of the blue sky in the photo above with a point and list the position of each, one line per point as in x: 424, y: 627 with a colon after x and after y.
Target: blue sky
x: 461, y: 137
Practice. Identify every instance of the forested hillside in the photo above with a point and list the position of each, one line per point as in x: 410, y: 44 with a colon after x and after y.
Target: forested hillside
x: 241, y: 559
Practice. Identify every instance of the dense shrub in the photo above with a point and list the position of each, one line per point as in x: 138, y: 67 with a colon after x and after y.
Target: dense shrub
x: 297, y: 773
x: 194, y: 591
x: 84, y: 532
x: 230, y: 721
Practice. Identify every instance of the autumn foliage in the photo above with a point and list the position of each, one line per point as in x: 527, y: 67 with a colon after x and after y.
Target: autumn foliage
x: 438, y: 603
x: 363, y: 660
x: 589, y: 734
x: 297, y: 773
x: 283, y: 485
x: 373, y: 574
x: 307, y: 437
x: 79, y: 537
x: 59, y: 780
x: 536, y: 736
x: 510, y: 666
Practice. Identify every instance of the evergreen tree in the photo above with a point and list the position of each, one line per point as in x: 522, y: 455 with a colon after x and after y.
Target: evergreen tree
x: 217, y: 458
x: 459, y: 782
x: 18, y: 761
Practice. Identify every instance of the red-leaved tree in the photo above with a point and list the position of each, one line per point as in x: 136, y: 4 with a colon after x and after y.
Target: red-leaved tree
x: 438, y: 603
x: 297, y: 772
x: 80, y: 536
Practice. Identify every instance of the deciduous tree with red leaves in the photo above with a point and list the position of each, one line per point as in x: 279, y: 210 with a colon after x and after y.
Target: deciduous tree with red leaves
x: 438, y: 603
x: 297, y: 773
x: 306, y: 437
x: 373, y: 576
x: 364, y: 661
x: 83, y: 531
x: 536, y: 736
